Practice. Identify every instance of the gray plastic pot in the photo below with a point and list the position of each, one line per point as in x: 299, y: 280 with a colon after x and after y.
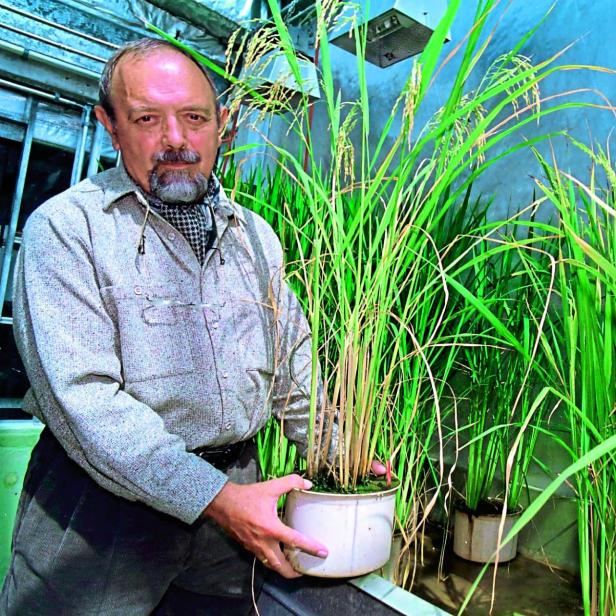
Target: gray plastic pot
x: 475, y: 537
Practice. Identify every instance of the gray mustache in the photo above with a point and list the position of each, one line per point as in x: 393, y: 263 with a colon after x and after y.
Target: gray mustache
x: 177, y: 156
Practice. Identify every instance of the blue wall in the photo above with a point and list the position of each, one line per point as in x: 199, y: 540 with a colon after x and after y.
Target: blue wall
x: 587, y: 24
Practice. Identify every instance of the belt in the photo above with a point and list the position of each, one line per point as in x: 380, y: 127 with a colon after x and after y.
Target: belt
x: 222, y: 457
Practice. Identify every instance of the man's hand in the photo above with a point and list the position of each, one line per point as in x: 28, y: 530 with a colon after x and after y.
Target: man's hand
x: 248, y: 513
x: 378, y: 468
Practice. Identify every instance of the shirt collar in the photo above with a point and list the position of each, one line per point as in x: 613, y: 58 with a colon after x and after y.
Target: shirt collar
x: 116, y: 183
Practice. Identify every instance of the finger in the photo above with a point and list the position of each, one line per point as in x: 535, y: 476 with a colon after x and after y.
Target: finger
x: 285, y: 484
x: 276, y: 561
x: 284, y: 567
x: 286, y: 570
x: 295, y: 539
x: 378, y: 468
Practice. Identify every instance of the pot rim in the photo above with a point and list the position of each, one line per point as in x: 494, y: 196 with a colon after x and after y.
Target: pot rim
x: 361, y: 496
x: 463, y: 510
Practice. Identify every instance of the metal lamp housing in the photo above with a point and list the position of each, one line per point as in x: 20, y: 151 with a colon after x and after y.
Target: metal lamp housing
x: 397, y: 29
x: 273, y: 68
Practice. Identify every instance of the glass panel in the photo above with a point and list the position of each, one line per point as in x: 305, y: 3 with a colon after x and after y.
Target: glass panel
x: 49, y: 172
x: 13, y: 380
x: 10, y: 152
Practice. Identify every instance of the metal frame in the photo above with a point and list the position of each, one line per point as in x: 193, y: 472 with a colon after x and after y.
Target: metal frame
x: 95, y: 150
x: 80, y: 151
x: 48, y: 41
x: 55, y: 24
x: 9, y: 234
x: 10, y: 238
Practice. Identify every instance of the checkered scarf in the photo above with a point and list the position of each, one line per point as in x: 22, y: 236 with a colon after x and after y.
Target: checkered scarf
x: 193, y: 220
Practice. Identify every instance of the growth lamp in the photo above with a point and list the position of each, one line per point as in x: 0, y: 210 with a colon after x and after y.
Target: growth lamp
x: 397, y: 29
x: 273, y: 68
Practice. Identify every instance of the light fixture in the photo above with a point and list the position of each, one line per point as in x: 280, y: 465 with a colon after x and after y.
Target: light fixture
x: 272, y: 70
x: 397, y: 29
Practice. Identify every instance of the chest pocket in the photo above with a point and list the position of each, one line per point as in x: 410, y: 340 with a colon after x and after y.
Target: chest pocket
x: 153, y: 329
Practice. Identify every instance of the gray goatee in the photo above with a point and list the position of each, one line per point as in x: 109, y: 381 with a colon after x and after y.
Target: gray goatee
x: 177, y: 185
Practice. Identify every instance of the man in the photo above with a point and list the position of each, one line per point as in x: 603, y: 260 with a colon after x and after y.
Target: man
x: 158, y: 336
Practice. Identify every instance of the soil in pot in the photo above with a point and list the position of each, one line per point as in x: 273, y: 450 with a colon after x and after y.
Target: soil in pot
x: 326, y: 483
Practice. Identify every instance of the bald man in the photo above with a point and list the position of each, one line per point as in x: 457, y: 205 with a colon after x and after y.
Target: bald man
x: 158, y: 336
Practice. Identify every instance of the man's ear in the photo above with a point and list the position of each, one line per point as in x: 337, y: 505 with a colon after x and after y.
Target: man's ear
x: 222, y: 123
x: 105, y: 120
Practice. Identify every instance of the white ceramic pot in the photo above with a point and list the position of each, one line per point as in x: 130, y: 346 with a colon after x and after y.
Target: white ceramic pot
x: 355, y: 528
x: 475, y: 537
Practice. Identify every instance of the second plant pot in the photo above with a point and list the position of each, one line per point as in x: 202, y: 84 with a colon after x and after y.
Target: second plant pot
x: 356, y: 528
x: 475, y: 535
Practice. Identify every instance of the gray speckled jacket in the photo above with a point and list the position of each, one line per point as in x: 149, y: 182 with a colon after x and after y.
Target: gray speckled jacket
x: 136, y: 359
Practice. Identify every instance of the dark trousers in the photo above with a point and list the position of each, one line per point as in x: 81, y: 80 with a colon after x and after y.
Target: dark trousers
x: 80, y: 550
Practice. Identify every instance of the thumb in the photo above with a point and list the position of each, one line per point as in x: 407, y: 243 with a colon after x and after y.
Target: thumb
x: 287, y: 483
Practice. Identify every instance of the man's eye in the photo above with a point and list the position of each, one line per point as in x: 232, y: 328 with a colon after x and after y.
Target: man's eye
x: 195, y: 117
x: 144, y: 119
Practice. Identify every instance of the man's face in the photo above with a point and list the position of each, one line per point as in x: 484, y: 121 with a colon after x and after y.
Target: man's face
x: 165, y: 124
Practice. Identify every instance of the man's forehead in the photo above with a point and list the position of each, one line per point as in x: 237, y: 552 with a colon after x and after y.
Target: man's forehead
x: 169, y: 62
x: 167, y: 59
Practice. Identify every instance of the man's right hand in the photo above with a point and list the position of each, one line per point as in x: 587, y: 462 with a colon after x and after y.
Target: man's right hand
x: 249, y: 514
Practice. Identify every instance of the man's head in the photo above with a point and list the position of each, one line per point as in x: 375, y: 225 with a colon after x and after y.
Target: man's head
x: 159, y: 106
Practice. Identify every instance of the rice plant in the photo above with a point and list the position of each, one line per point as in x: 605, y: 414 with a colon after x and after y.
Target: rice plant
x: 361, y: 221
x: 503, y: 378
x: 578, y: 365
x: 375, y: 211
x: 585, y: 368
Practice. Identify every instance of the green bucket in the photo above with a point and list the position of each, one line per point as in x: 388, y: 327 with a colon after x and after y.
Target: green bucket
x: 17, y: 438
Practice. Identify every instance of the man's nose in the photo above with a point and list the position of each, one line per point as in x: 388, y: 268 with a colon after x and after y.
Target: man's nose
x: 174, y: 135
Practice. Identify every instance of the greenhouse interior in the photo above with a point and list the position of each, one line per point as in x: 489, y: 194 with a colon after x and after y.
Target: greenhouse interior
x: 403, y: 399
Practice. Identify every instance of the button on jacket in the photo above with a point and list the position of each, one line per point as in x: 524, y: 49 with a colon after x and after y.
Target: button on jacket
x: 137, y: 355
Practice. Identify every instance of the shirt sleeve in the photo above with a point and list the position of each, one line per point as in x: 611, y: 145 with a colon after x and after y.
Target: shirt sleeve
x: 69, y: 345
